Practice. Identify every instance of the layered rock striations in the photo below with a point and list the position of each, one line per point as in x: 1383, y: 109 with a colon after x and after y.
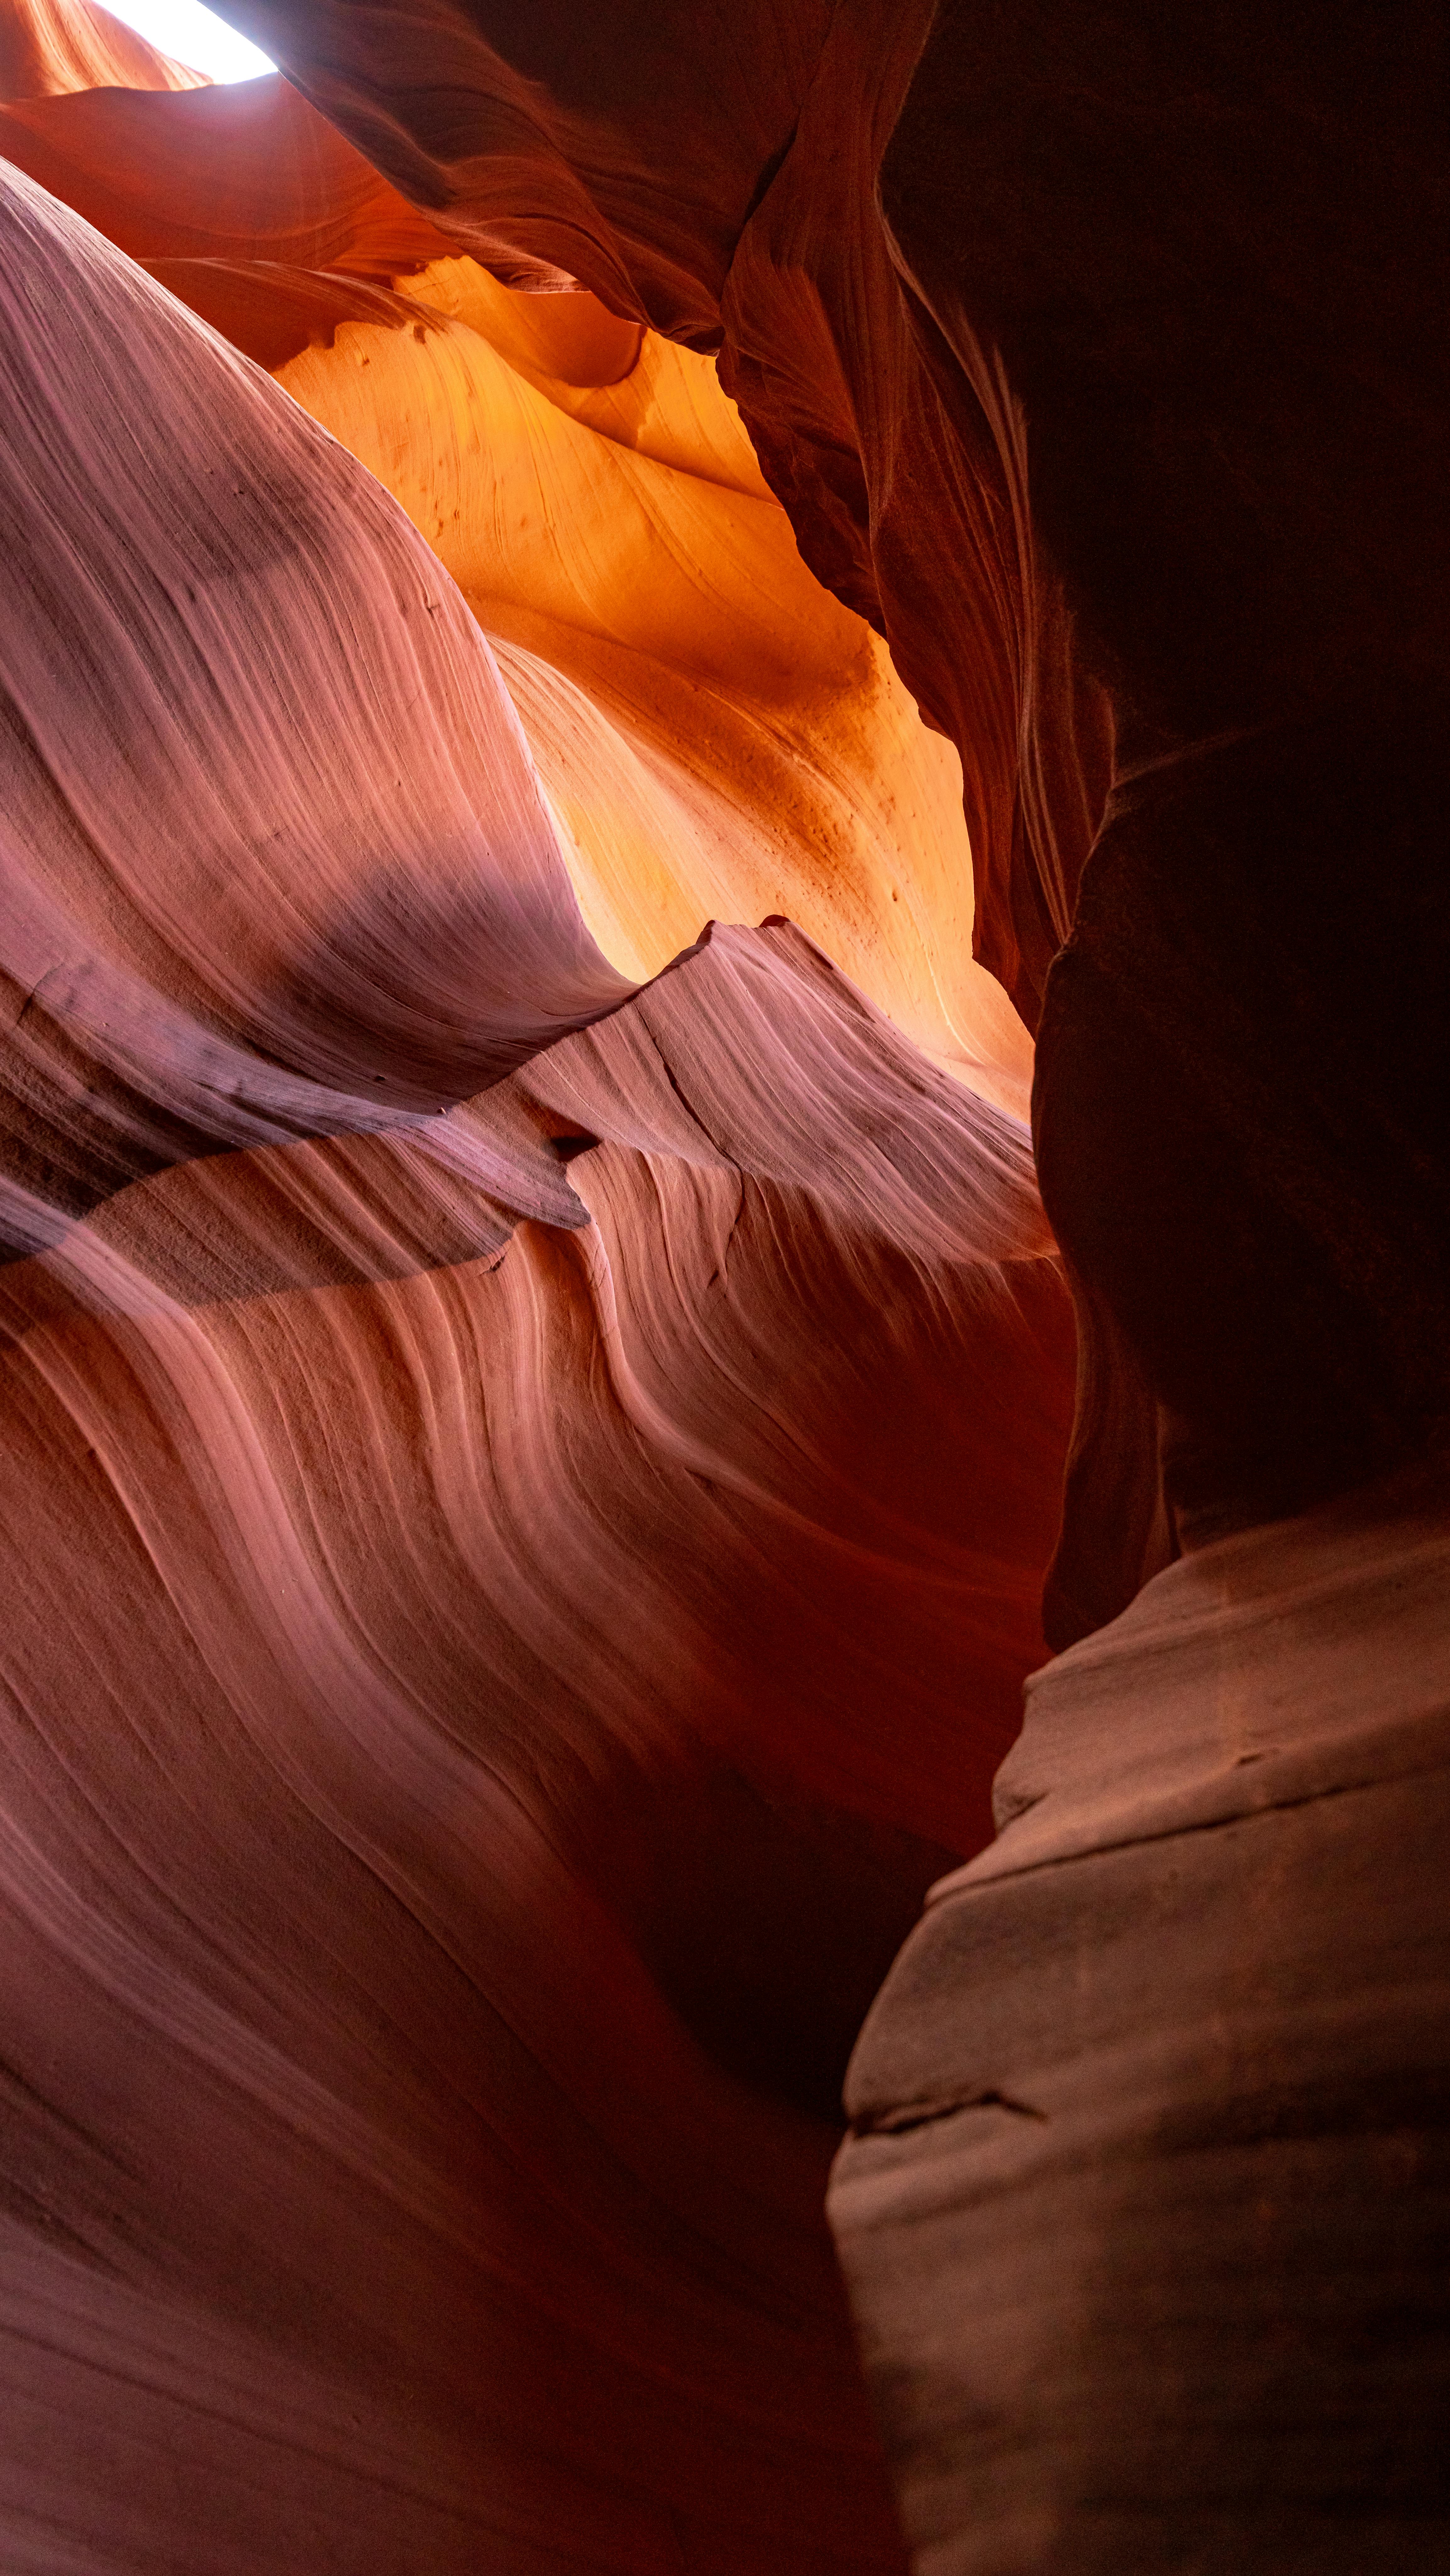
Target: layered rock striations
x: 534, y: 1435
x: 717, y: 735
x: 718, y: 182
x: 525, y: 1489
x: 1096, y: 360
x: 1099, y: 361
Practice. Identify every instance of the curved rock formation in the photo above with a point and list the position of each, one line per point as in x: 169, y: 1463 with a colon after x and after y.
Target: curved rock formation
x: 51, y: 47
x: 1097, y: 355
x: 525, y: 1499
x: 1099, y: 361
x: 222, y: 172
x: 530, y: 1465
x: 720, y: 184
x: 716, y: 734
x: 354, y: 903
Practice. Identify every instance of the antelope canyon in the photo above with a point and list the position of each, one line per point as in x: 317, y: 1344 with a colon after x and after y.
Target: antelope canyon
x: 725, y: 1312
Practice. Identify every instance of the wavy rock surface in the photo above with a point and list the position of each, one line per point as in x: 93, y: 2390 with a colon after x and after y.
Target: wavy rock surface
x: 524, y: 1505
x: 1098, y: 355
x: 1100, y: 362
x: 640, y: 1604
x: 719, y: 183
x: 718, y: 736
x: 356, y: 903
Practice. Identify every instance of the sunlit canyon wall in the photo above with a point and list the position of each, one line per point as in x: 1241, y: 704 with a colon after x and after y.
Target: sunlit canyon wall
x: 576, y: 592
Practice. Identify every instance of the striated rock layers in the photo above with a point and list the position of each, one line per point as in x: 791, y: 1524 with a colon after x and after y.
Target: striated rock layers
x: 1097, y: 356
x: 524, y: 1490
x: 716, y: 181
x: 533, y: 1436
x: 716, y: 734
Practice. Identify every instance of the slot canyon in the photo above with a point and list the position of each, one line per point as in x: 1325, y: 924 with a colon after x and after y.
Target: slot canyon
x: 725, y: 1308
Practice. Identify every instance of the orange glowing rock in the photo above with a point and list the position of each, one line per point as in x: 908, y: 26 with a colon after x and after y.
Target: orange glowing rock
x: 717, y: 735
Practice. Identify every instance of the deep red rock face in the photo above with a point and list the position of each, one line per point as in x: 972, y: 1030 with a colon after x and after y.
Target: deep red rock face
x: 525, y: 1490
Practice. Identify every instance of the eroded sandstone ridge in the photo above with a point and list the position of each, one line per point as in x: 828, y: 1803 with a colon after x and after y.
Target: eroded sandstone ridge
x: 559, y: 571
x: 1096, y: 354
x: 513, y: 1471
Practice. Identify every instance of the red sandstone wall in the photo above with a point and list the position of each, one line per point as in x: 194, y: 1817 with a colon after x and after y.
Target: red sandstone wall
x: 522, y: 1547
